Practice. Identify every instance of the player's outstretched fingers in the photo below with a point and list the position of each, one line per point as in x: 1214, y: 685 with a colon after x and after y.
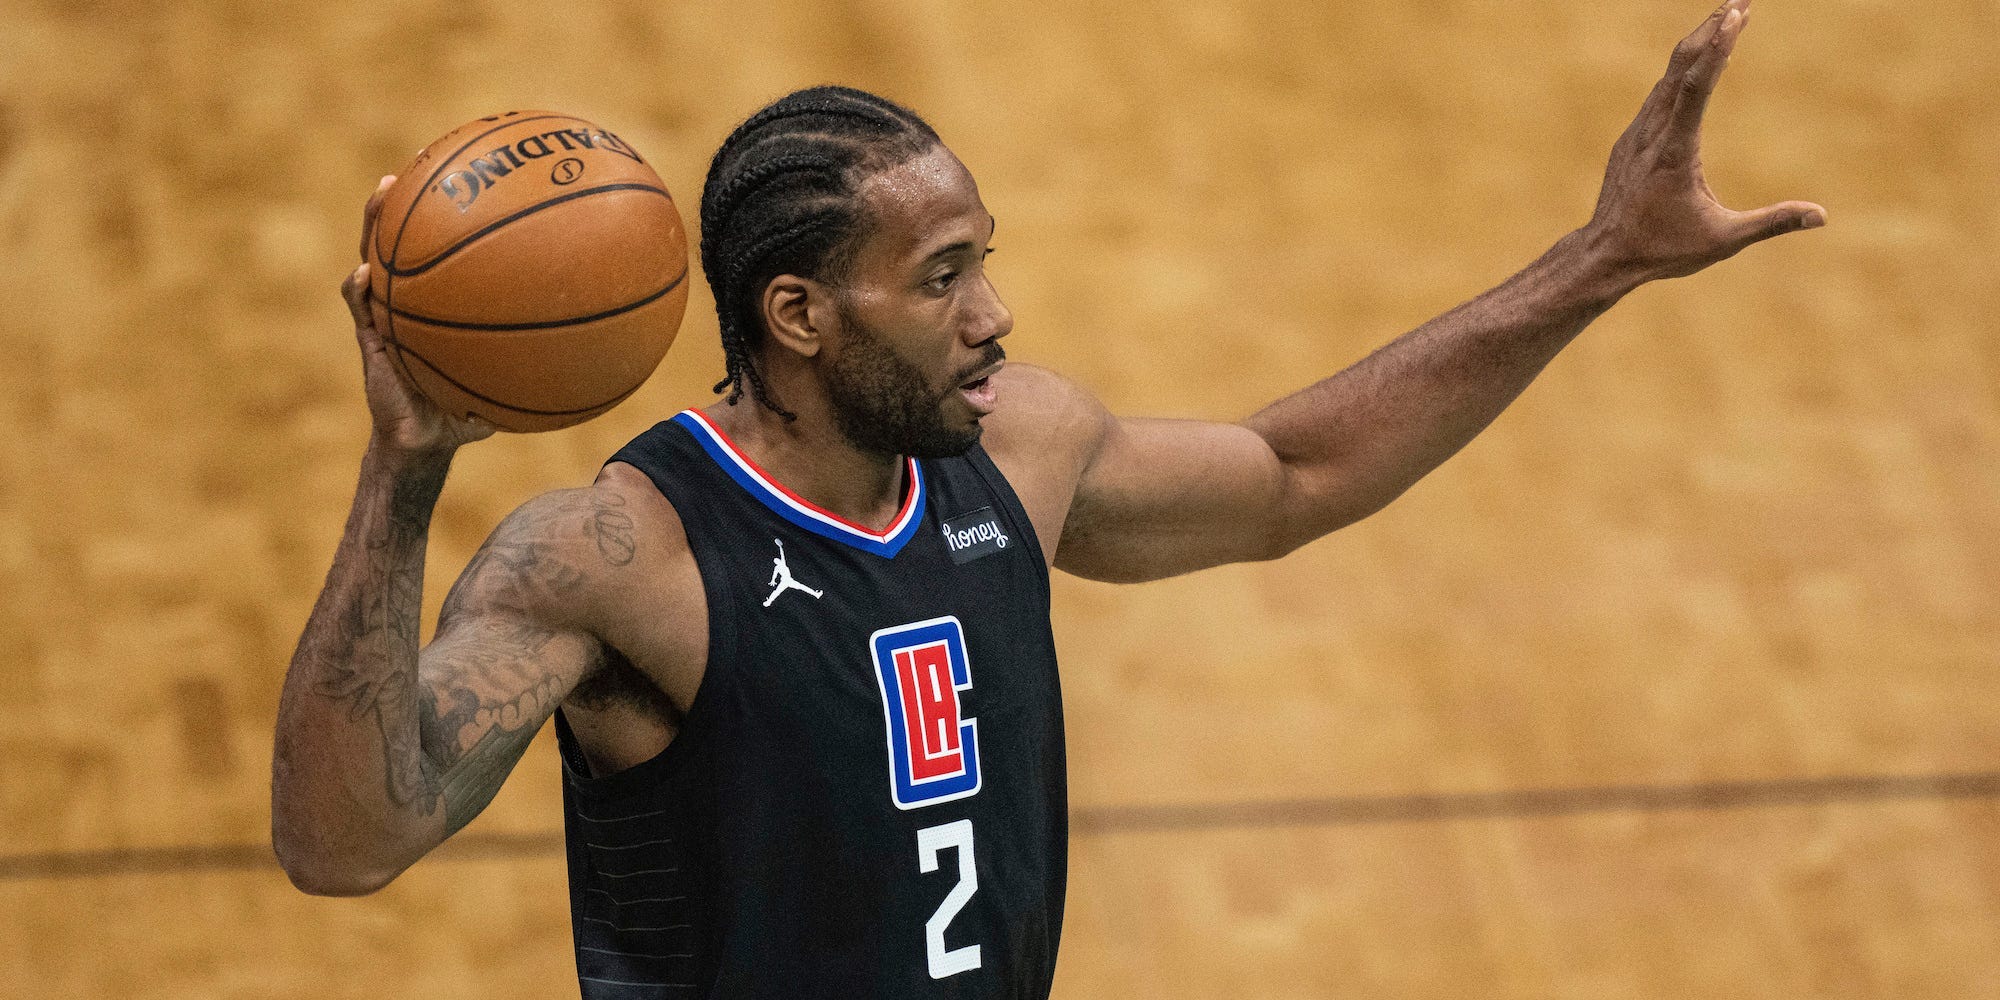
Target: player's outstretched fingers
x: 1698, y: 83
x: 1746, y: 228
x: 1658, y: 108
x: 1697, y: 41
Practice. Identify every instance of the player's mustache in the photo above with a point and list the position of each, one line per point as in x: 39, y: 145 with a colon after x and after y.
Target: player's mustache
x: 993, y: 355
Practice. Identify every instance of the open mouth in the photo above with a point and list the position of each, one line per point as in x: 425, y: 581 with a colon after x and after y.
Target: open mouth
x: 979, y: 394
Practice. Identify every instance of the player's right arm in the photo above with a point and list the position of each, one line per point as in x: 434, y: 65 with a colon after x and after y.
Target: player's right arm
x: 382, y: 751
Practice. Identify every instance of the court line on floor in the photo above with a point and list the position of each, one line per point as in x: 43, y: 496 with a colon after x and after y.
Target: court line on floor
x: 1537, y: 803
x: 1100, y: 820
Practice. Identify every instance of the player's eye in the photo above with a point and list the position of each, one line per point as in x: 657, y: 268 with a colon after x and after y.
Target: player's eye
x: 943, y: 281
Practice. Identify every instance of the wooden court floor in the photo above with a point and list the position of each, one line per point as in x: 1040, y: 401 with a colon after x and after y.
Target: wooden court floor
x: 1681, y: 681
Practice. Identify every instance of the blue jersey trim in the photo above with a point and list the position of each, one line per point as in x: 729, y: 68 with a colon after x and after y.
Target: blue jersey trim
x: 799, y: 513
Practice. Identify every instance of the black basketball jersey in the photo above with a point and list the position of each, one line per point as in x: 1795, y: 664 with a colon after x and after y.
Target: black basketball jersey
x: 867, y: 796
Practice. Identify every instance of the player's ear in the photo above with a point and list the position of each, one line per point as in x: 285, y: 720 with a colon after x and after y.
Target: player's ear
x: 795, y: 311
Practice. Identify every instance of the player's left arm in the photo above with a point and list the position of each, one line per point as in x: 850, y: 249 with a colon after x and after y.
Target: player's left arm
x: 1157, y: 498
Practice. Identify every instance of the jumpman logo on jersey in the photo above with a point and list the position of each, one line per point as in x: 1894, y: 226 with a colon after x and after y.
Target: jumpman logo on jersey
x: 781, y: 578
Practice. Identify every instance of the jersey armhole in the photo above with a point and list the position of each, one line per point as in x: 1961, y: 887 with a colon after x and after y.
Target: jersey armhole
x: 995, y: 480
x: 722, y: 636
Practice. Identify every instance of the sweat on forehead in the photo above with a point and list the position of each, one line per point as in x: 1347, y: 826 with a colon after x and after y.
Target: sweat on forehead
x: 929, y: 199
x: 919, y: 176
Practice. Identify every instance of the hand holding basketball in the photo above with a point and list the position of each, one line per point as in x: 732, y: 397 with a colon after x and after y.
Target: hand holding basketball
x: 529, y: 268
x: 404, y: 419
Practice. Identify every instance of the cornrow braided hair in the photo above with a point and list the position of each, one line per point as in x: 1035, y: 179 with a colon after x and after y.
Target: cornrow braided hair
x: 782, y: 197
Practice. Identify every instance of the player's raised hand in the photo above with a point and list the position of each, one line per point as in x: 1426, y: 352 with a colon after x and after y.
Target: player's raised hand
x: 404, y: 419
x: 1656, y: 214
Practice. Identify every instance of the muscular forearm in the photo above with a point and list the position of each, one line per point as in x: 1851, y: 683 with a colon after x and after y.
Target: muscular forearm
x: 1355, y: 441
x: 1155, y: 498
x: 353, y: 798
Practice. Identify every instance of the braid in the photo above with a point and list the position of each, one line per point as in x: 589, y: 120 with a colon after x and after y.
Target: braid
x: 782, y: 198
x: 745, y: 181
x: 737, y: 348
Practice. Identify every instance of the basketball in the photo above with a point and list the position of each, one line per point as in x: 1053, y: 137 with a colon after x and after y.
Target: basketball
x: 530, y: 269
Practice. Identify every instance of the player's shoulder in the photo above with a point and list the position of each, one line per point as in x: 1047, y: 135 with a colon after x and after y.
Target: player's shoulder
x: 620, y: 502
x: 622, y: 495
x: 1043, y: 434
x: 609, y: 561
x: 568, y: 549
x: 1042, y: 416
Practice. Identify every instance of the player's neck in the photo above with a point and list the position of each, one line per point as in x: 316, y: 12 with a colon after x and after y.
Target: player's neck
x: 809, y: 457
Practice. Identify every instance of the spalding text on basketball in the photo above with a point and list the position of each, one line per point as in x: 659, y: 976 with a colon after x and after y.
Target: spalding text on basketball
x: 463, y: 186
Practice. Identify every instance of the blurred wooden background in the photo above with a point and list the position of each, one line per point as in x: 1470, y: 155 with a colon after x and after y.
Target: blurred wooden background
x: 1737, y: 546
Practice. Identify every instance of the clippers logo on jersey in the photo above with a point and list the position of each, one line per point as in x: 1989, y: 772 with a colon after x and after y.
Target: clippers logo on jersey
x: 933, y: 748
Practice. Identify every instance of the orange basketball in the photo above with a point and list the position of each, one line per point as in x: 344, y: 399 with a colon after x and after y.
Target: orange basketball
x: 529, y: 268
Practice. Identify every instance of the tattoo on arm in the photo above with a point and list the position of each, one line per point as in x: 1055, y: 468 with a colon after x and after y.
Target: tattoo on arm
x: 364, y: 658
x: 498, y: 698
x: 612, y: 528
x: 453, y: 740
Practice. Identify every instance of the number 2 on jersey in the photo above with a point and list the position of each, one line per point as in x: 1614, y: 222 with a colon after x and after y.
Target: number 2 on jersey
x: 931, y: 841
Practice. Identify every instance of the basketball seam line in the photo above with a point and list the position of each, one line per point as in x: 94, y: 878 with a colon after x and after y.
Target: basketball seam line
x: 389, y: 261
x: 446, y: 253
x: 482, y: 397
x: 549, y: 324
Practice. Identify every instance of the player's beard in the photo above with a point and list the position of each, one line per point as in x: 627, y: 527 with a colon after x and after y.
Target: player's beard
x: 882, y: 403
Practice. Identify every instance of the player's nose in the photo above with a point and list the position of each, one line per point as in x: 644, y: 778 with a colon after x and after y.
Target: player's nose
x: 993, y: 319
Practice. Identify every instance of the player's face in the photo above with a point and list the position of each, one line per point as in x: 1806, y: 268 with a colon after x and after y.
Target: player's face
x: 911, y: 370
